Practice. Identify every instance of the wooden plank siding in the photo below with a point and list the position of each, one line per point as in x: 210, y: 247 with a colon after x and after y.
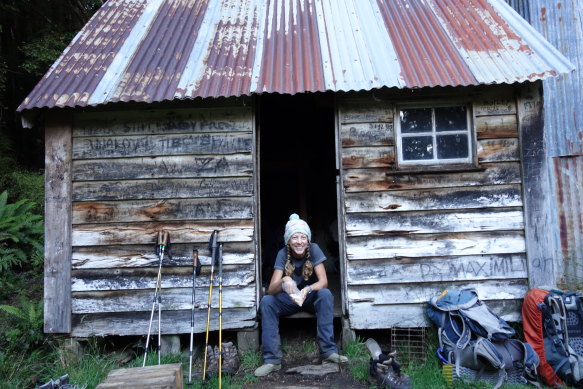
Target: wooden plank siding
x: 411, y: 234
x: 135, y: 173
x: 57, y: 261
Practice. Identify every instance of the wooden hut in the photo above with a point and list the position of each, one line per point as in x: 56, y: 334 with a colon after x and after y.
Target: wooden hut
x: 406, y: 132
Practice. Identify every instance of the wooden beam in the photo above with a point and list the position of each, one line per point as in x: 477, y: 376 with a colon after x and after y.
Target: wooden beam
x: 539, y: 242
x: 57, y: 267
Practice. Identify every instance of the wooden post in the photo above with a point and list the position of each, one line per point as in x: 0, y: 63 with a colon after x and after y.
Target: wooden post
x: 57, y: 267
x: 536, y: 188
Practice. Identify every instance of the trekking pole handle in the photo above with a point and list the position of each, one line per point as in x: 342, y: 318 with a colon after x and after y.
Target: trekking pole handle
x: 162, y: 238
x: 194, y: 258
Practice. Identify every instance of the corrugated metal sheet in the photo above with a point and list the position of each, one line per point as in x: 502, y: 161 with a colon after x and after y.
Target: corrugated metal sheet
x: 155, y: 50
x: 569, y: 184
x: 561, y: 24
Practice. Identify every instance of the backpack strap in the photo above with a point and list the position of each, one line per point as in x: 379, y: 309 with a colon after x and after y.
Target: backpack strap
x: 464, y: 339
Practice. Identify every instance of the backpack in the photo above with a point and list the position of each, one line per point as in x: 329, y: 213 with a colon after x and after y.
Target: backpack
x: 553, y: 325
x: 477, y: 342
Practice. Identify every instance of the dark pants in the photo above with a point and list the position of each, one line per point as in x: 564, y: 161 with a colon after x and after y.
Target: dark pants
x: 320, y: 302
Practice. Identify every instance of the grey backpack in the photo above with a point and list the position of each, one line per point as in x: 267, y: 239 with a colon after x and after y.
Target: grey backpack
x: 478, y: 342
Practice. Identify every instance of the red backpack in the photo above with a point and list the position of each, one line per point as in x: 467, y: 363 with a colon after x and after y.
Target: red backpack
x: 553, y: 326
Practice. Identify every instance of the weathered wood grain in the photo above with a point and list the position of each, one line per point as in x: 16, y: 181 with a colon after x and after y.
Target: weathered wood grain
x: 162, y: 188
x: 172, y: 299
x: 146, y: 233
x: 135, y: 256
x: 538, y: 199
x: 173, y: 322
x: 368, y: 157
x: 376, y: 224
x: 436, y: 199
x: 404, y: 294
x: 162, y: 210
x: 359, y: 180
x: 368, y: 316
x: 428, y: 245
x: 367, y: 134
x: 163, y: 167
x: 145, y: 278
x: 498, y: 101
x: 493, y: 127
x: 154, y: 145
x: 57, y: 264
x: 498, y: 150
x: 147, y: 122
x: 436, y: 269
x: 360, y: 110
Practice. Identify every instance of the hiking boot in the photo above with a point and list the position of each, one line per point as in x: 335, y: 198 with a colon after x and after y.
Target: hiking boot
x: 387, y: 377
x: 266, y: 369
x: 335, y: 358
x: 387, y: 371
x: 231, y: 360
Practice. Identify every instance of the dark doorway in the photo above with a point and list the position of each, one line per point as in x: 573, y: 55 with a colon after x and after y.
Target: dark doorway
x: 298, y: 174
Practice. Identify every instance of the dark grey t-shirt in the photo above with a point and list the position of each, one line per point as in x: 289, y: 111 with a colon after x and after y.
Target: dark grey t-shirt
x: 317, y: 257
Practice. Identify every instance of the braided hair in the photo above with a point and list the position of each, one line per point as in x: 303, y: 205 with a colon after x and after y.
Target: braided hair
x: 307, y: 267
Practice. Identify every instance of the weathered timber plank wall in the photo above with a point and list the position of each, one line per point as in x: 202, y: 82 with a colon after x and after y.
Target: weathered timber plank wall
x: 411, y: 234
x: 57, y: 265
x: 185, y: 171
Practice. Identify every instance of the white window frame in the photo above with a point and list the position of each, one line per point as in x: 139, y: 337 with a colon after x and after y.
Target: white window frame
x: 469, y: 160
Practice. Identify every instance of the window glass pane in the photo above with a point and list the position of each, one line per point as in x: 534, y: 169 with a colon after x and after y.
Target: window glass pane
x: 417, y: 147
x: 415, y: 120
x: 452, y: 146
x: 450, y: 119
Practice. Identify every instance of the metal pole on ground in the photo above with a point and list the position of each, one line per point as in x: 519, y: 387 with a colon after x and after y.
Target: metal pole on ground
x: 161, y: 244
x: 213, y: 248
x: 195, y: 272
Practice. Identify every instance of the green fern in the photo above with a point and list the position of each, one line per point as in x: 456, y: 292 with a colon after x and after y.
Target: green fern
x: 21, y: 233
x: 27, y: 323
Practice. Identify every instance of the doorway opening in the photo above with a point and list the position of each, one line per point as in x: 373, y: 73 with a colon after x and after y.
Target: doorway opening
x: 298, y: 175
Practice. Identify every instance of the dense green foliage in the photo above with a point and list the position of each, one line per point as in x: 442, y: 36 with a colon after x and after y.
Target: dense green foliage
x: 21, y: 233
x: 33, y: 33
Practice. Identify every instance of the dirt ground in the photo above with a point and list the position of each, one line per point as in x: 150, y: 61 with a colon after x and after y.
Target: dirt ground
x: 299, y: 349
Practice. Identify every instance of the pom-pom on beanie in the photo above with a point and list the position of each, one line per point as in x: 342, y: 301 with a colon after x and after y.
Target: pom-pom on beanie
x: 295, y: 224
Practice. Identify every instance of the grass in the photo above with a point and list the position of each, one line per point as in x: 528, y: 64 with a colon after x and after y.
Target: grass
x: 359, y: 359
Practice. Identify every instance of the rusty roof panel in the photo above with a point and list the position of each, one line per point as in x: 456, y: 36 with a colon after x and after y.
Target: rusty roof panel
x: 74, y: 77
x: 155, y: 50
x: 569, y: 188
x: 289, y: 56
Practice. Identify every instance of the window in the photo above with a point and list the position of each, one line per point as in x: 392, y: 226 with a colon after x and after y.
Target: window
x: 434, y: 135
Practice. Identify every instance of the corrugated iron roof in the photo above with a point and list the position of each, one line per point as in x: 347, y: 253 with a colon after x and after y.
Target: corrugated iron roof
x: 156, y: 50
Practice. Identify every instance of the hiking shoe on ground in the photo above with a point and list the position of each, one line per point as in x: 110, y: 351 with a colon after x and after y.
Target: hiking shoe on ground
x: 392, y: 380
x: 266, y: 369
x: 335, y: 358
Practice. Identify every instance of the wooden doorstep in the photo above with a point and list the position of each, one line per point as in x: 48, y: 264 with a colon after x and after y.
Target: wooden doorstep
x: 167, y: 376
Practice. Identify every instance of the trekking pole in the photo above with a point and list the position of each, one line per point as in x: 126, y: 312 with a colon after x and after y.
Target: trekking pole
x: 220, y: 260
x: 213, y: 248
x: 195, y: 272
x: 157, y: 301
